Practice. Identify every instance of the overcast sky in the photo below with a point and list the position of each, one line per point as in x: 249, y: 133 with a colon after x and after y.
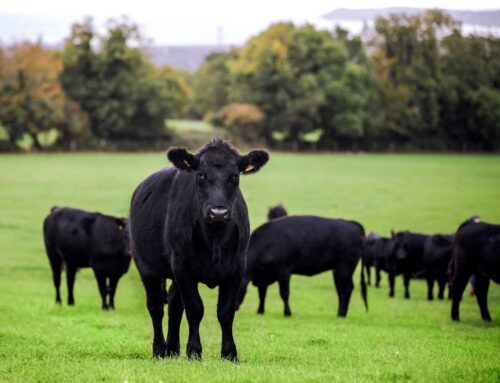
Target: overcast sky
x: 186, y: 21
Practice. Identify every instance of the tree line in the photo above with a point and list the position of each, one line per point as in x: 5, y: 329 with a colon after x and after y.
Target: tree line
x: 413, y: 82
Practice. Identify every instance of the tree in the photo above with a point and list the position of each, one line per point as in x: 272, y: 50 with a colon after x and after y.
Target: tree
x: 108, y: 77
x: 211, y: 84
x: 31, y: 97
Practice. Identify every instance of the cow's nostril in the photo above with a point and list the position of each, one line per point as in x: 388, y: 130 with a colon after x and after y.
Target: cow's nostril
x: 218, y: 211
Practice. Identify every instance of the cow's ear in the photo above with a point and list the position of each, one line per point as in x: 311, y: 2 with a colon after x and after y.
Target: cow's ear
x: 393, y: 234
x: 182, y: 159
x: 121, y: 223
x: 253, y: 161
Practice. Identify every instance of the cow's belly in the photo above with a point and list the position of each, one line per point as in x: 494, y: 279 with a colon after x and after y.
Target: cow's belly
x: 313, y: 265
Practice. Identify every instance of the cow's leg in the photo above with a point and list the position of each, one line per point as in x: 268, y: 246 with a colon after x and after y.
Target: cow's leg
x: 392, y: 278
x: 369, y: 275
x: 406, y: 278
x: 113, y: 283
x: 103, y: 288
x: 284, y: 283
x: 377, y: 277
x: 242, y: 291
x: 70, y: 281
x: 175, y: 311
x: 460, y: 279
x: 430, y: 286
x: 154, y: 302
x: 226, y: 307
x: 56, y: 266
x: 481, y: 289
x: 344, y: 284
x: 194, y: 312
x: 442, y: 287
x: 262, y: 298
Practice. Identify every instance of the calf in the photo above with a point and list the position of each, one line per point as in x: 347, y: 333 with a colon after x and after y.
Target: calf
x: 304, y: 245
x: 405, y: 256
x: 277, y: 211
x: 376, y: 256
x: 435, y: 260
x: 189, y: 223
x: 476, y: 250
x: 78, y: 238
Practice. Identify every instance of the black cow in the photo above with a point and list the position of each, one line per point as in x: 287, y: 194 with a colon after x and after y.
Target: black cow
x: 436, y: 257
x: 405, y: 256
x: 304, y: 245
x: 277, y: 211
x: 78, y: 238
x: 376, y: 256
x: 189, y: 223
x: 476, y: 251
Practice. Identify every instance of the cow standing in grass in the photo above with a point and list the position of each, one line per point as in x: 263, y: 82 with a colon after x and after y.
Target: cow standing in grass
x: 476, y: 251
x: 304, y: 245
x: 76, y: 239
x: 376, y: 256
x: 436, y: 257
x: 189, y: 223
x: 405, y: 256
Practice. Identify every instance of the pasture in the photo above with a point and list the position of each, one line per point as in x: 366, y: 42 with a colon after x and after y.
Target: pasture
x: 397, y: 340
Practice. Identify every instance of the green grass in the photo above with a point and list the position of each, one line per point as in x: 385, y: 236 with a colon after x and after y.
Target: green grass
x: 183, y: 125
x: 397, y: 340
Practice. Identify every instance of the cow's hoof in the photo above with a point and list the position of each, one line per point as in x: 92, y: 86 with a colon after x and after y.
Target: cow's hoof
x: 231, y: 358
x: 288, y: 313
x: 173, y: 350
x: 158, y: 350
x: 487, y: 318
x: 260, y: 311
x: 193, y: 351
x: 105, y: 307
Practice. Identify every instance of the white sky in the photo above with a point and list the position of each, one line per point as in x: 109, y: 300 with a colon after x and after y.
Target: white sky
x: 186, y: 21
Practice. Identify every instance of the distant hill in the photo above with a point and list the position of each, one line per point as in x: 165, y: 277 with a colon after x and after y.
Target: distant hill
x: 489, y: 18
x: 188, y: 57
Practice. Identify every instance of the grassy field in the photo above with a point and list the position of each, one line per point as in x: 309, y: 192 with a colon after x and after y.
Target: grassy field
x: 397, y: 340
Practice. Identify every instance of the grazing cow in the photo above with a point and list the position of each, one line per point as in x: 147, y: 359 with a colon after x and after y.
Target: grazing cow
x: 405, y: 256
x: 78, y: 238
x: 436, y: 257
x: 189, y: 223
x: 277, y: 211
x: 304, y: 245
x: 376, y: 255
x: 476, y: 251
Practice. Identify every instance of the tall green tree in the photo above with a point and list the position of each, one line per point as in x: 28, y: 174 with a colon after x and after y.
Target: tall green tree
x: 109, y: 78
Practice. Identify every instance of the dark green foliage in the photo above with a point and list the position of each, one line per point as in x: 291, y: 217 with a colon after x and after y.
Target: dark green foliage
x: 123, y: 95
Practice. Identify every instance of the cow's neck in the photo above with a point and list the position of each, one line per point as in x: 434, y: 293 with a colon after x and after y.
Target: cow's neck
x: 214, y: 237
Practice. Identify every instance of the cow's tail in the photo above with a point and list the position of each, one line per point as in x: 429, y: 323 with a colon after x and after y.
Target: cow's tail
x: 364, y: 292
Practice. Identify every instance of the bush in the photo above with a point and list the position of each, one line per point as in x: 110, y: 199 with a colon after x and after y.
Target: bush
x: 242, y: 121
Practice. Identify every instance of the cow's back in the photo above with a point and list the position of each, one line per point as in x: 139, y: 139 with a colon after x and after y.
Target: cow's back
x: 305, y: 244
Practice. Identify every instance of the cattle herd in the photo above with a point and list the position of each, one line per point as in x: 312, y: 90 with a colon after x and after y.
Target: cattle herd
x: 189, y: 224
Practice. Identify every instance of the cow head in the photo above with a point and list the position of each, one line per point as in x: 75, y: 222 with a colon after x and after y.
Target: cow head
x: 217, y: 168
x: 397, y: 251
x: 277, y: 211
